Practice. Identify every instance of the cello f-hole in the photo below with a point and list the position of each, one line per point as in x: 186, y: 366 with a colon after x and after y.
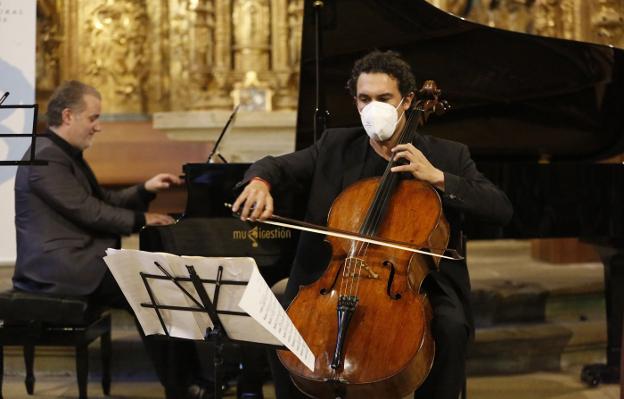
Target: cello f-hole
x: 395, y: 296
x: 325, y: 291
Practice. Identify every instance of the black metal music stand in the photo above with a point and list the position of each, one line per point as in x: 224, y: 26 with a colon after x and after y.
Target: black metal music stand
x: 32, y: 135
x: 217, y: 335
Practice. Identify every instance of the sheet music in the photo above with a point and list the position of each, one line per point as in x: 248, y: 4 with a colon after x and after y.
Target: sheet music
x: 125, y: 265
x: 268, y: 324
x: 259, y: 301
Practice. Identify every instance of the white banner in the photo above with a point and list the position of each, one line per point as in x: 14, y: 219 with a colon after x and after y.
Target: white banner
x: 18, y: 25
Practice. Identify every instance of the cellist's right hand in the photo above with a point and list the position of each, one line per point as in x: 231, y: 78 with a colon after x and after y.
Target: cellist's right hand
x: 256, y: 201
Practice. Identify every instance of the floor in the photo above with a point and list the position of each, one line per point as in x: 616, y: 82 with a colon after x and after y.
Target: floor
x: 490, y: 265
x: 529, y: 386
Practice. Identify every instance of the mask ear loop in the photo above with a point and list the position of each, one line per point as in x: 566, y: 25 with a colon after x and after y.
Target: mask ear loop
x: 397, y: 107
x: 399, y: 118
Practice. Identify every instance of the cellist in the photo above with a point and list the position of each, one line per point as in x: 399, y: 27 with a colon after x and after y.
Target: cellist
x: 383, y: 87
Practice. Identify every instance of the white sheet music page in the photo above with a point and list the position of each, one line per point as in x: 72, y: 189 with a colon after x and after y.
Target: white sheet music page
x: 259, y: 301
x: 126, y: 266
x: 238, y: 326
x: 246, y: 306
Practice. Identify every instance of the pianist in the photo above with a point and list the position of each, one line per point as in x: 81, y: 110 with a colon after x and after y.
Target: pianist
x: 65, y: 220
x: 382, y: 86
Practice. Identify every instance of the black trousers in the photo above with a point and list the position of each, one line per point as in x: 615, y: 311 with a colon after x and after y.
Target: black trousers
x: 451, y: 333
x: 176, y: 361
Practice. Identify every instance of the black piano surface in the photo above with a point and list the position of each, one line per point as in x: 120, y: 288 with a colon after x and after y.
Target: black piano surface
x: 207, y: 227
x: 514, y: 96
x: 536, y: 112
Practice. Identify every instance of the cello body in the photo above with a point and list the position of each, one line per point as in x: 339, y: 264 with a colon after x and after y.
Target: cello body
x: 387, y: 349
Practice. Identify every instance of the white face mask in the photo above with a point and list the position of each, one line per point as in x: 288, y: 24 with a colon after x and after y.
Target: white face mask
x: 380, y: 119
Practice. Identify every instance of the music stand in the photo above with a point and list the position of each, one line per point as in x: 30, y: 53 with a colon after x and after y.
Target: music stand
x: 218, y: 334
x: 32, y: 135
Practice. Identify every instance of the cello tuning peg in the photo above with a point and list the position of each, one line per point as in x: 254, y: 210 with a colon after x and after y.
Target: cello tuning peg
x: 442, y: 107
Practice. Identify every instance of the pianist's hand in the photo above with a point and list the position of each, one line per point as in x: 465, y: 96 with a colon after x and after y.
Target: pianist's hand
x: 256, y: 201
x: 161, y: 181
x: 158, y: 219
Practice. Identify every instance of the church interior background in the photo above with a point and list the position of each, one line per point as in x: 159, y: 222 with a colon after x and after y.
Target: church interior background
x: 171, y: 71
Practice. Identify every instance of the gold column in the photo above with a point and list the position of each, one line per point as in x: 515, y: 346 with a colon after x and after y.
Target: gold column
x: 49, y: 39
x: 251, y: 35
x: 203, y: 39
x: 295, y: 28
x: 179, y: 52
x: 280, y: 55
x: 69, y: 47
x: 158, y: 81
x: 223, y: 56
x: 287, y: 98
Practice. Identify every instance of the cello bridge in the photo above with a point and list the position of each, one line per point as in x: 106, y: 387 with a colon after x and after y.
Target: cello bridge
x: 353, y: 267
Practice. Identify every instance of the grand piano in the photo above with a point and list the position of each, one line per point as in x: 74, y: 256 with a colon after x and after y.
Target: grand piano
x: 539, y: 114
x: 207, y: 227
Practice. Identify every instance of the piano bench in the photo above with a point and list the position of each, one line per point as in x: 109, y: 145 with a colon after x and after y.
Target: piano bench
x: 30, y: 320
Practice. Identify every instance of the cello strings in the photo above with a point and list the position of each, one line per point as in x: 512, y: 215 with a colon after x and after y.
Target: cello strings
x: 353, y: 265
x: 385, y: 191
x: 375, y: 214
x: 376, y: 209
x: 346, y: 283
x: 346, y: 270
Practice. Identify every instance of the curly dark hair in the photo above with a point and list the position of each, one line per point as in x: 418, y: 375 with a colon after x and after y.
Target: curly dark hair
x: 70, y: 95
x: 388, y: 62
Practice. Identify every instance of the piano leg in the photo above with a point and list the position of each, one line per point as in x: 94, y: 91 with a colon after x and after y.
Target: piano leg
x: 594, y: 374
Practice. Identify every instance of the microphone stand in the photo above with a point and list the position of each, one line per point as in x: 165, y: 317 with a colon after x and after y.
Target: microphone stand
x: 320, y: 113
x: 214, y: 149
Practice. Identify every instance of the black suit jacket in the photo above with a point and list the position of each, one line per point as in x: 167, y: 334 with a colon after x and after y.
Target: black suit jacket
x: 337, y: 161
x: 63, y: 227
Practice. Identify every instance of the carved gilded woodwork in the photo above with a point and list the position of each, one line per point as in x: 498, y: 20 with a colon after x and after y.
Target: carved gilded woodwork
x: 598, y: 21
x: 115, y: 56
x: 607, y: 21
x: 190, y: 50
x: 251, y: 35
x: 48, y: 47
x: 172, y: 55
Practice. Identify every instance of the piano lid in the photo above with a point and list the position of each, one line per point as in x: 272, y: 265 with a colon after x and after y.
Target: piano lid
x: 515, y: 96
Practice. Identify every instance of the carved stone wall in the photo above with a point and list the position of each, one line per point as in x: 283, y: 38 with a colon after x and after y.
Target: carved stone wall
x: 169, y: 55
x: 174, y: 55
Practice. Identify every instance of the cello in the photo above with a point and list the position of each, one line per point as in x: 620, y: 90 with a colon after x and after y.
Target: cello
x: 366, y: 319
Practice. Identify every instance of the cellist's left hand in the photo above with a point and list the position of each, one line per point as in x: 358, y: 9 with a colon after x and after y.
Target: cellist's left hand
x: 418, y: 165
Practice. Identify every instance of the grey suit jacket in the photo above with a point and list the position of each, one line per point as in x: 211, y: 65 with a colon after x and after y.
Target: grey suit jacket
x: 63, y: 228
